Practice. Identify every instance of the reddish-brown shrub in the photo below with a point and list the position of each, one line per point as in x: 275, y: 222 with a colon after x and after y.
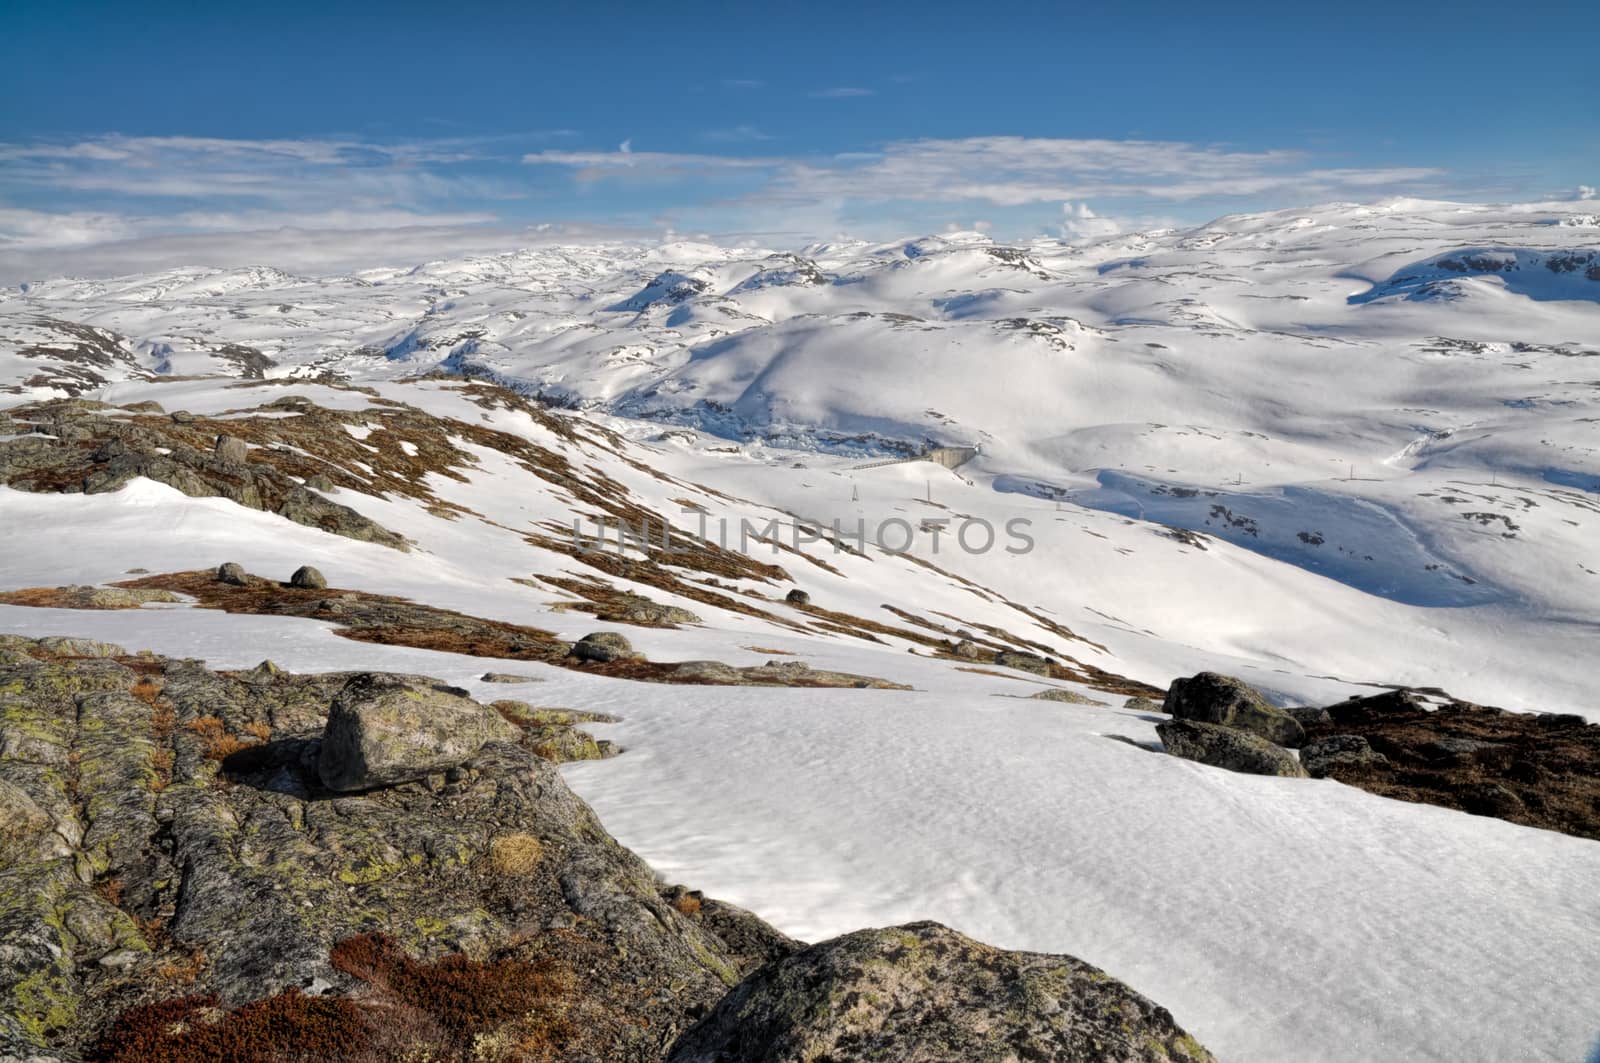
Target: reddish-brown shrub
x: 464, y: 996
x: 287, y: 1028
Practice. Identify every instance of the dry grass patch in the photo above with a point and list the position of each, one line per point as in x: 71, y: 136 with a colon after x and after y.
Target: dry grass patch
x: 515, y: 854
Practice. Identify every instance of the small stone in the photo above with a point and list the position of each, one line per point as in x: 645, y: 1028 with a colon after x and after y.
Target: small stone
x: 308, y: 578
x: 507, y: 677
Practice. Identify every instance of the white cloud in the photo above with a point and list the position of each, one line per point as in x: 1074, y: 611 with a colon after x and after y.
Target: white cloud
x: 1586, y: 192
x: 1081, y: 223
x: 1013, y: 172
x: 841, y: 92
x: 735, y: 135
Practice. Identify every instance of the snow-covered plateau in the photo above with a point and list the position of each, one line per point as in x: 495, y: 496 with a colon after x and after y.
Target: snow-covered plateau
x: 1324, y: 450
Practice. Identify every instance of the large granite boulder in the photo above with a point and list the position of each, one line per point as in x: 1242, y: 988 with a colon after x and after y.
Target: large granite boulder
x: 924, y: 992
x: 1222, y: 699
x: 389, y: 729
x: 1227, y: 747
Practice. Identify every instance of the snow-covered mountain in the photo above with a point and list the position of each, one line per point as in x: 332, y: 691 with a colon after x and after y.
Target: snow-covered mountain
x: 1322, y: 449
x: 1397, y: 397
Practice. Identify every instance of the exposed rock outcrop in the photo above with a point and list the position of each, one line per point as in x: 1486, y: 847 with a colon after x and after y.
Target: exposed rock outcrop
x: 166, y: 834
x: 924, y: 992
x: 1222, y: 699
x: 1321, y: 755
x: 69, y: 447
x: 1027, y: 662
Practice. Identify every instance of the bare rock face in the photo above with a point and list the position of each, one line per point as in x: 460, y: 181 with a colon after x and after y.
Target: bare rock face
x: 1227, y: 747
x: 1229, y: 702
x: 202, y: 864
x: 924, y: 992
x: 388, y: 729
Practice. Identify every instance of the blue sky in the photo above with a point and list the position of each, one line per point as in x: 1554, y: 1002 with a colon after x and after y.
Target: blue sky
x: 781, y: 122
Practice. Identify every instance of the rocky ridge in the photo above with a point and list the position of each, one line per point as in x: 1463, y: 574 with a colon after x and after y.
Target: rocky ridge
x: 181, y: 883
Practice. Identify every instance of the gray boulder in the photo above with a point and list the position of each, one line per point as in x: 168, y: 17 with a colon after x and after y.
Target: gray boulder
x: 231, y: 450
x: 388, y: 729
x: 1339, y: 751
x: 968, y: 649
x: 1138, y: 704
x: 1227, y: 747
x: 924, y: 992
x: 603, y: 646
x: 707, y: 672
x: 1229, y: 702
x: 308, y: 578
x: 797, y: 597
x: 230, y: 572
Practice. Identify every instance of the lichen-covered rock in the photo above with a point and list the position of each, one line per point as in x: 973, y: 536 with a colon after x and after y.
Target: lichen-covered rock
x: 1061, y: 694
x: 388, y: 729
x: 1320, y: 756
x: 67, y: 646
x: 1027, y: 662
x: 1138, y: 704
x: 707, y: 672
x: 925, y: 992
x: 202, y: 856
x: 233, y: 573
x: 644, y: 612
x: 1227, y: 747
x: 797, y: 597
x: 1229, y: 702
x: 307, y: 578
x: 603, y: 646
x: 231, y: 450
x: 968, y: 649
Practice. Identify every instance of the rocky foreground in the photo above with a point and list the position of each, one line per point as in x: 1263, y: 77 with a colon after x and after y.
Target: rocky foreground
x: 202, y: 865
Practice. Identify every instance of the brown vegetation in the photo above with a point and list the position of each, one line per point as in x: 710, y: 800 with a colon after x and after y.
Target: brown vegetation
x: 1536, y: 769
